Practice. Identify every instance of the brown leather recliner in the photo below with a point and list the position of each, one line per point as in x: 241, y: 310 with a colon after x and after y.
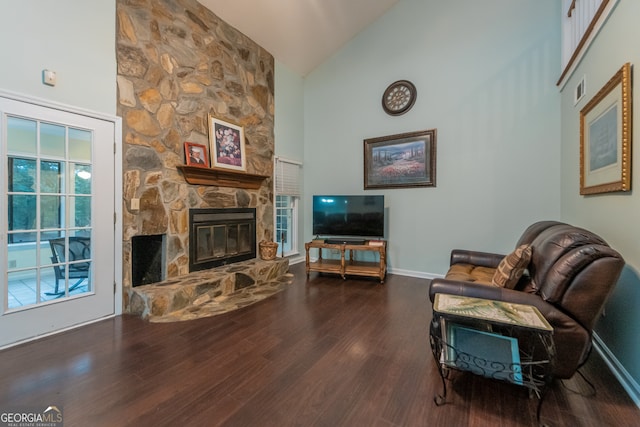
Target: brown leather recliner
x: 570, y: 276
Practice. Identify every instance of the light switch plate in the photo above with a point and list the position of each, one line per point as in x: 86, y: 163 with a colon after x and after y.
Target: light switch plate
x: 49, y: 77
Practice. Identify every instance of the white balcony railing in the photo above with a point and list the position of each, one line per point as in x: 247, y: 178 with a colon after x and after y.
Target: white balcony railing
x: 581, y: 20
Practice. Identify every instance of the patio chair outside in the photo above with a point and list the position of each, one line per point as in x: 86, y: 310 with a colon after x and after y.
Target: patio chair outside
x: 79, y: 249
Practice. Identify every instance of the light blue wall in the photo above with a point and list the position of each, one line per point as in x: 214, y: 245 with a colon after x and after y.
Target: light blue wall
x: 289, y: 113
x: 289, y: 124
x: 75, y: 38
x: 613, y: 216
x: 486, y: 82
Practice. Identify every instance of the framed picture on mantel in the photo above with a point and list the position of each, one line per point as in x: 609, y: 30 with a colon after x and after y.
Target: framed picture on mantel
x: 196, y: 155
x: 226, y: 143
x: 400, y: 161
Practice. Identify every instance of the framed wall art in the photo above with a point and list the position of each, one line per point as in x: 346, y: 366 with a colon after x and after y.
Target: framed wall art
x: 400, y: 161
x: 605, y: 137
x: 196, y: 155
x: 226, y: 142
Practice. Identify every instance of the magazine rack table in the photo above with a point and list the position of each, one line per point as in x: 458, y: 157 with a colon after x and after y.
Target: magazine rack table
x: 495, y: 339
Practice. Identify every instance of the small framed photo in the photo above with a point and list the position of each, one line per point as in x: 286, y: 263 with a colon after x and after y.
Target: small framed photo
x: 196, y: 155
x: 226, y: 142
x: 605, y: 137
x: 400, y: 161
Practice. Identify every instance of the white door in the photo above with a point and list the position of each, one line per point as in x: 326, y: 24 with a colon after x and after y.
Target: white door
x: 57, y: 220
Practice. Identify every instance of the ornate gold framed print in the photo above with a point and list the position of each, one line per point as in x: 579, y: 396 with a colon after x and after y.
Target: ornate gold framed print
x: 605, y: 137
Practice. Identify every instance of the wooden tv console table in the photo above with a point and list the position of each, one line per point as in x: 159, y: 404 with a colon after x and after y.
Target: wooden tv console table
x: 346, y: 267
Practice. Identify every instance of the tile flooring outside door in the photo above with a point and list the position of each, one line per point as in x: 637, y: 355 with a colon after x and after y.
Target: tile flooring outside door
x: 23, y: 292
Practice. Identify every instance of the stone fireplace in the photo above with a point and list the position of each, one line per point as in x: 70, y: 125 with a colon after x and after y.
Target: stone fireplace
x: 221, y: 236
x: 178, y: 63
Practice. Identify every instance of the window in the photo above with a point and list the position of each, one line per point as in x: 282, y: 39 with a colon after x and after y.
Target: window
x: 287, y: 194
x: 22, y: 198
x: 285, y: 223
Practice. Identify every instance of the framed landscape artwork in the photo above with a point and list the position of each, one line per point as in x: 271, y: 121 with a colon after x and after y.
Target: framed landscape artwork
x: 400, y: 161
x: 196, y: 155
x: 605, y: 137
x: 226, y: 142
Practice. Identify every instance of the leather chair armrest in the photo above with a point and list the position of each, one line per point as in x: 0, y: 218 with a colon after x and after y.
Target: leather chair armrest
x: 477, y: 290
x: 481, y: 259
x: 467, y: 289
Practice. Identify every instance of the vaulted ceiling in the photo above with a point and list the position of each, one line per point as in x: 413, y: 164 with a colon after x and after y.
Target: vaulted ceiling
x: 301, y: 34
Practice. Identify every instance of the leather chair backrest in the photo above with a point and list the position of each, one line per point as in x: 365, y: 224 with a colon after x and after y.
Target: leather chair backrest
x: 534, y: 230
x: 575, y: 270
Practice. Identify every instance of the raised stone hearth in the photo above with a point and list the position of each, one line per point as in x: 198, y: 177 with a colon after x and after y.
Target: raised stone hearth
x: 210, y: 292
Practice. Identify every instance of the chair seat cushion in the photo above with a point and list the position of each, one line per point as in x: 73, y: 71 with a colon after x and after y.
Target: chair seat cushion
x: 471, y: 273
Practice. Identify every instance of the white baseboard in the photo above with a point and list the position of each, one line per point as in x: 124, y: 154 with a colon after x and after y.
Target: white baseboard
x: 621, y: 374
x: 297, y: 259
x: 58, y: 331
x: 412, y: 273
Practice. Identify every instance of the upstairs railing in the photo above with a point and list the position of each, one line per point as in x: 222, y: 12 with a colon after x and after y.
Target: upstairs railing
x: 581, y: 20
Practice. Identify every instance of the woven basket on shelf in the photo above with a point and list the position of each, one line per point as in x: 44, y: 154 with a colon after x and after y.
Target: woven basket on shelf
x: 268, y: 250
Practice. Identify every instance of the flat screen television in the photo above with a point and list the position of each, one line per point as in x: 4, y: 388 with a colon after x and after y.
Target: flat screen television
x: 348, y: 216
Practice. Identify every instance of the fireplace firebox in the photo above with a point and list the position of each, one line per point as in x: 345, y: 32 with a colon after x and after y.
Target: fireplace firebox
x: 221, y: 236
x: 147, y: 256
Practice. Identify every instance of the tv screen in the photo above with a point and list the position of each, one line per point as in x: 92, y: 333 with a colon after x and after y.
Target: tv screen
x: 361, y: 216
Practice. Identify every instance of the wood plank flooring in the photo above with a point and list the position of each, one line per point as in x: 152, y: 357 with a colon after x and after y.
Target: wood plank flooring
x: 324, y: 352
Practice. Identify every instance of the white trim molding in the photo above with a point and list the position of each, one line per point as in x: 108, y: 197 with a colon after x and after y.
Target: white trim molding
x: 621, y: 374
x: 413, y: 273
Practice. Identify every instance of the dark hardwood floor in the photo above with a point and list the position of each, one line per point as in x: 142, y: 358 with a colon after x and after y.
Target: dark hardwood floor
x: 326, y: 352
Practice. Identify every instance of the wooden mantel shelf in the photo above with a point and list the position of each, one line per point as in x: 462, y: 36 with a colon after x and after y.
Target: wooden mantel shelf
x: 221, y: 178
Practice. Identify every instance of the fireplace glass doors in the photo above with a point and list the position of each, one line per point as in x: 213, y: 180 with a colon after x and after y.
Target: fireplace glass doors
x: 221, y: 236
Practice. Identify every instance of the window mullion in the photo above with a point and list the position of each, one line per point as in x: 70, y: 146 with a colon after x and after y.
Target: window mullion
x: 38, y: 228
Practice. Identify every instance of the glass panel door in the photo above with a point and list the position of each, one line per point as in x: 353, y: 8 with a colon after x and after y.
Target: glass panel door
x: 49, y: 260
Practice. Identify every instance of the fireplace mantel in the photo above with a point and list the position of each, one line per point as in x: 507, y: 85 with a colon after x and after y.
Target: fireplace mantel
x: 221, y: 178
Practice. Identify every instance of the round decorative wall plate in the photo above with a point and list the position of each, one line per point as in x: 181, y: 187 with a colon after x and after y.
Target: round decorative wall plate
x: 399, y: 97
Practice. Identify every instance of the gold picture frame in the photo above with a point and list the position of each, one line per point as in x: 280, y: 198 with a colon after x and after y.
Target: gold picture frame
x: 226, y: 145
x: 605, y: 137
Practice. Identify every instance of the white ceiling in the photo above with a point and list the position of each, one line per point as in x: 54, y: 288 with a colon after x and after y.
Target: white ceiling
x: 301, y: 34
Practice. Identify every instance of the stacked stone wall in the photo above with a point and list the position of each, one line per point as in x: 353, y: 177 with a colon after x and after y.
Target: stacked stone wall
x: 178, y: 63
